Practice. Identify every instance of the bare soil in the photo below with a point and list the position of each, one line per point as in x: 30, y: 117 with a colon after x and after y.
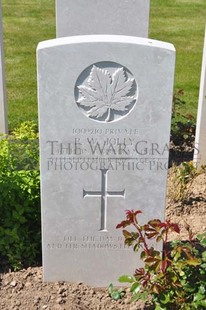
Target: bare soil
x: 24, y: 290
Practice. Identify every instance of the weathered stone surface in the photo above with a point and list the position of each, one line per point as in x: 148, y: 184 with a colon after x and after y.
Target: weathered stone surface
x: 200, y: 137
x: 104, y: 114
x: 116, y: 17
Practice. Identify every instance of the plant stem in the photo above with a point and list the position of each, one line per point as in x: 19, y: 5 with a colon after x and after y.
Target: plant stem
x: 142, y: 237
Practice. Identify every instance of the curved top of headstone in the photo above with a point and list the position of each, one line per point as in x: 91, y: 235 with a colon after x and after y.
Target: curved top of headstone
x: 105, y: 38
x: 117, y: 17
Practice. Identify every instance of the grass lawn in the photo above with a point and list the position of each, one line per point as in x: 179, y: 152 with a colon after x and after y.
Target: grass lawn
x: 182, y: 22
x: 27, y: 22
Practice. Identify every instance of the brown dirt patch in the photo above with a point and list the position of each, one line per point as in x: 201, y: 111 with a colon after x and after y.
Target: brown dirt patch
x: 24, y: 290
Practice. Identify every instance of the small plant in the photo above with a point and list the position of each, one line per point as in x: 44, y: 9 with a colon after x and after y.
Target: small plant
x: 177, y: 101
x: 182, y: 126
x: 174, y: 278
x: 20, y: 239
x: 115, y: 293
x: 183, y: 178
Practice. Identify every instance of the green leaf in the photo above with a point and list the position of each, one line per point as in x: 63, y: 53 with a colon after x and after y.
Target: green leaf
x: 158, y: 307
x: 135, y: 297
x: 204, y: 256
x: 202, y: 289
x: 203, y: 303
x: 135, y: 235
x: 141, y: 295
x: 110, y: 289
x: 202, y: 238
x: 136, y: 247
x: 116, y: 295
x: 129, y: 241
x: 193, y: 261
x: 198, y: 296
x: 165, y: 298
x: 135, y: 288
x: 126, y: 278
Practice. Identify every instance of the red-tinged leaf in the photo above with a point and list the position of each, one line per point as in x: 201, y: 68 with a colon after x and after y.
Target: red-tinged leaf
x: 156, y: 288
x: 141, y: 275
x: 151, y: 234
x: 155, y: 223
x: 170, y: 226
x: 123, y: 224
x: 175, y: 227
x: 149, y: 229
x: 131, y: 214
x: 126, y: 234
x: 153, y: 262
x: 145, y: 283
x: 141, y: 240
x: 164, y: 265
x: 145, y: 227
x: 138, y: 212
x: 139, y: 272
x: 149, y: 260
x: 191, y: 260
x: 187, y: 251
x: 154, y: 253
x: 162, y: 225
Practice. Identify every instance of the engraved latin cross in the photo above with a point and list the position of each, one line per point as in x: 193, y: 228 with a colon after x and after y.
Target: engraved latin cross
x: 103, y: 194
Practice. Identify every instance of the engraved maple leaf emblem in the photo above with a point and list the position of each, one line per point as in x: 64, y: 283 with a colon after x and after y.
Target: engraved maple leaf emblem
x: 105, y: 94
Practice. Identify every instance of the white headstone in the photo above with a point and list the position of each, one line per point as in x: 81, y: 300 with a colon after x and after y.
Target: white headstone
x: 3, y: 104
x: 116, y: 17
x: 104, y: 119
x: 200, y: 136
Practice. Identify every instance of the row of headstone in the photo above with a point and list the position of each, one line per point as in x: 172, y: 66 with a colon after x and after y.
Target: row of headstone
x: 104, y: 112
x: 200, y: 136
x: 119, y: 17
x: 3, y: 103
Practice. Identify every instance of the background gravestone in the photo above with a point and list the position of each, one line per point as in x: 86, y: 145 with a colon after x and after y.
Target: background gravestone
x: 104, y: 131
x: 200, y: 136
x: 3, y: 104
x: 120, y: 17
